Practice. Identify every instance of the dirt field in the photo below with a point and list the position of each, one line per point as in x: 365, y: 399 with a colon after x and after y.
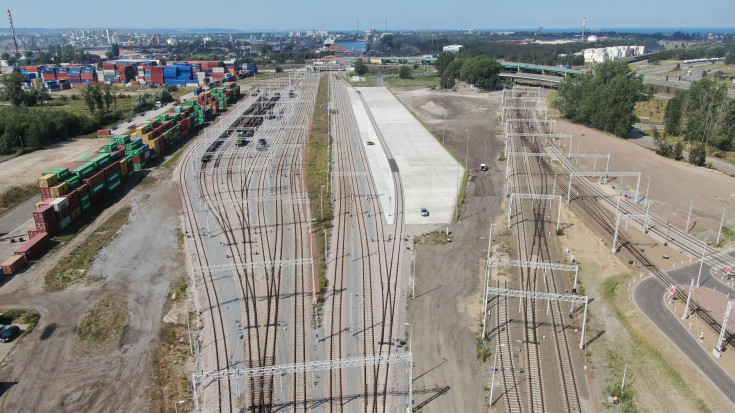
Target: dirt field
x: 28, y: 168
x: 44, y: 372
x: 673, y: 184
x: 446, y: 311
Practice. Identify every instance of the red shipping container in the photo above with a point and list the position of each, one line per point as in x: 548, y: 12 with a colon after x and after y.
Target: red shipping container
x: 95, y: 179
x: 65, y: 212
x: 34, y: 246
x: 13, y: 264
x: 32, y: 233
x: 136, y: 159
x: 43, y: 213
x: 120, y: 153
x: 96, y: 199
x: 45, y: 193
x: 73, y: 198
x: 83, y: 189
x: 52, y: 227
x: 74, y: 165
x: 103, y: 132
x: 111, y: 169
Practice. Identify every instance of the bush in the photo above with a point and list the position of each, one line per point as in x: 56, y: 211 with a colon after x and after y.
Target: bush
x: 404, y: 72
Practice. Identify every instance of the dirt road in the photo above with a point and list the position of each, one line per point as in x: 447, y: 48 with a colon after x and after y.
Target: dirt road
x: 446, y: 311
x: 28, y: 168
x: 44, y: 372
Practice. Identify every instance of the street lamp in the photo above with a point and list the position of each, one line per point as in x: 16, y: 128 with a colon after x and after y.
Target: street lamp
x: 467, y: 154
x: 321, y: 204
x: 410, y: 373
x: 410, y: 336
x: 176, y: 405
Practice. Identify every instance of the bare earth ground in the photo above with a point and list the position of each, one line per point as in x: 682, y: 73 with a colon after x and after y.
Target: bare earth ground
x: 673, y: 183
x: 445, y: 312
x: 28, y: 168
x: 43, y: 372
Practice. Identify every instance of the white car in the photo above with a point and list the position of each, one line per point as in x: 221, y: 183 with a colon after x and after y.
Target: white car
x: 424, y: 212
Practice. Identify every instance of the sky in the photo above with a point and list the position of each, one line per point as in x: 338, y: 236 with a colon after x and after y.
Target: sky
x: 287, y: 15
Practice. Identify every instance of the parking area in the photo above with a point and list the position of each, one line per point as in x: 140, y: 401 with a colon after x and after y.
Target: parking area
x: 430, y: 175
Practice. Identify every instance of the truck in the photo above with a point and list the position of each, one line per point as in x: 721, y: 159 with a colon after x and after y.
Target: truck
x: 483, y: 167
x: 159, y: 104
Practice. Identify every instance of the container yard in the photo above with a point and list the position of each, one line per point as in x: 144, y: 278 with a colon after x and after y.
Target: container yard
x: 70, y: 190
x: 179, y: 73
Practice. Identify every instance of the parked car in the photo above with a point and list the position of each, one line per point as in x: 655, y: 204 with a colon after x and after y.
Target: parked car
x: 370, y: 143
x: 424, y: 212
x: 9, y: 334
x: 2, y: 327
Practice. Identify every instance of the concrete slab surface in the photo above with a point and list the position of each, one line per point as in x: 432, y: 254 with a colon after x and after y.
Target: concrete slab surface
x: 376, y: 156
x: 430, y: 175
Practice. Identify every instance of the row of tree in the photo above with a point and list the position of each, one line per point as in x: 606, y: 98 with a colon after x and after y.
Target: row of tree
x: 604, y: 99
x: 726, y: 50
x: 479, y: 70
x: 703, y: 116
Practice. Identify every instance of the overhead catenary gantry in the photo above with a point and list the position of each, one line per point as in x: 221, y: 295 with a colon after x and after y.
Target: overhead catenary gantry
x: 603, y: 175
x: 298, y: 368
x: 542, y: 295
x: 538, y: 197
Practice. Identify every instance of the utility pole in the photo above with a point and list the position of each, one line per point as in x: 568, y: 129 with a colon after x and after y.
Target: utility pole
x: 691, y: 204
x: 719, y: 231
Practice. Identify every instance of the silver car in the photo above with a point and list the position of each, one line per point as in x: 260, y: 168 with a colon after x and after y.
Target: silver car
x: 424, y: 212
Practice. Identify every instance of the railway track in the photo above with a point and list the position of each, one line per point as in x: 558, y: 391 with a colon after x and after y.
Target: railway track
x: 256, y: 226
x: 535, y: 181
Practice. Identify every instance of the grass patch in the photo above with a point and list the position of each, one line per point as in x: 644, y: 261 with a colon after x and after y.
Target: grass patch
x: 644, y: 349
x: 71, y: 269
x: 171, y: 353
x: 434, y: 238
x: 651, y: 111
x: 16, y: 195
x: 20, y: 316
x: 316, y: 176
x: 418, y: 81
x: 104, y: 324
x: 369, y: 82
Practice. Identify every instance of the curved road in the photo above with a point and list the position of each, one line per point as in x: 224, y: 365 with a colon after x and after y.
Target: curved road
x: 649, y: 297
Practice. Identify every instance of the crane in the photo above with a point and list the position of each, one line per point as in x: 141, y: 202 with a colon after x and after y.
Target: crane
x: 12, y: 31
x: 156, y: 38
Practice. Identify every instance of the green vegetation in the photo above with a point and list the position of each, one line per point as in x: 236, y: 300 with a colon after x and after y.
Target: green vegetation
x: 71, y: 268
x: 418, y: 81
x: 16, y: 195
x: 643, y: 349
x: 105, y: 324
x: 434, y: 238
x: 404, y: 72
x: 316, y: 177
x: 479, y: 70
x: 704, y: 117
x: 604, y: 99
x: 726, y: 50
x: 369, y: 82
x: 20, y: 316
x: 360, y: 67
x: 16, y: 95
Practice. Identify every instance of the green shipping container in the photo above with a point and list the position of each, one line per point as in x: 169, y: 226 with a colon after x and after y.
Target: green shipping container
x: 115, y: 183
x: 98, y: 188
x: 62, y: 173
x: 115, y: 176
x: 73, y: 181
x: 85, y: 158
x: 109, y: 147
x: 86, y: 206
x: 85, y: 198
x: 121, y: 139
x: 101, y: 160
x: 129, y: 147
x: 85, y: 170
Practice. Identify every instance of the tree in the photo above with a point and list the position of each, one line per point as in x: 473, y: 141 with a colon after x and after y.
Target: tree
x: 88, y: 98
x: 360, y: 67
x: 698, y: 154
x: 442, y: 61
x: 446, y: 81
x: 113, y: 52
x: 672, y: 114
x: 404, y: 72
x: 604, y: 99
x: 108, y: 97
x: 730, y: 58
x: 482, y: 71
x: 705, y: 99
x: 13, y: 85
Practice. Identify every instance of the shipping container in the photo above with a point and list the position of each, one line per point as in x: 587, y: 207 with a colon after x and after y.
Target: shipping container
x: 13, y: 264
x: 96, y: 183
x: 85, y: 170
x: 65, y: 222
x: 45, y: 193
x: 34, y: 246
x: 60, y: 204
x: 48, y: 180
x: 61, y: 173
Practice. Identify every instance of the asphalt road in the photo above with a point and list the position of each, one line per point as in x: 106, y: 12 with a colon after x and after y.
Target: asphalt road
x: 649, y: 297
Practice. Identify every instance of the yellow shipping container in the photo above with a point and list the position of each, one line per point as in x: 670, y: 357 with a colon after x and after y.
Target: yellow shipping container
x: 47, y: 180
x: 75, y: 213
x: 59, y: 190
x: 123, y: 167
x: 147, y: 136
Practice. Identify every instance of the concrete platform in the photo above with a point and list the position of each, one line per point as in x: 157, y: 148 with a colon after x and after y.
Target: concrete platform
x: 430, y: 175
x: 376, y: 156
